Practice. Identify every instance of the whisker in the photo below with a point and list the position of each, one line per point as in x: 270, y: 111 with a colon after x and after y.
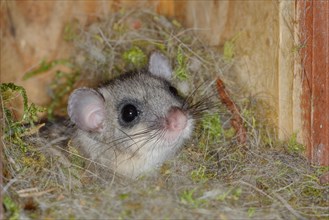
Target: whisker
x: 189, y: 98
x: 196, y: 104
x: 144, y: 141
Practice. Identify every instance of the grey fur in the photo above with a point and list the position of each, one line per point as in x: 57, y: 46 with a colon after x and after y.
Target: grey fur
x: 135, y: 149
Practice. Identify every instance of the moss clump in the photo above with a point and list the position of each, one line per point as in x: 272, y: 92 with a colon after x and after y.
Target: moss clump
x: 15, y: 130
x: 188, y: 197
x: 293, y: 146
x: 180, y: 71
x: 202, y: 175
x: 135, y: 57
x: 11, y: 207
x: 212, y: 125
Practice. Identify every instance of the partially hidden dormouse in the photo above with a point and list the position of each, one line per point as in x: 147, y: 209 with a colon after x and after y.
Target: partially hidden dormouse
x: 133, y: 123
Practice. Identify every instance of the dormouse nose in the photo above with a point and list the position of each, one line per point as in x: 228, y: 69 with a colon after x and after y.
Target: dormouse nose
x: 176, y: 119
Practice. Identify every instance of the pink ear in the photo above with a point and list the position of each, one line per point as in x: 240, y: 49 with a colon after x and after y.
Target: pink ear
x: 159, y: 66
x: 86, y: 109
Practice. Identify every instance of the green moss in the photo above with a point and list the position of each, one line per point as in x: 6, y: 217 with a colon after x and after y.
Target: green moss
x: 15, y: 129
x: 45, y: 66
x: 212, y: 124
x: 34, y: 159
x: 176, y: 23
x: 251, y: 212
x: 12, y: 208
x: 75, y: 157
x: 298, y: 47
x: 293, y: 146
x: 230, y: 195
x: 120, y: 28
x: 312, y: 191
x: 180, y: 71
x: 136, y: 57
x: 199, y: 175
x: 229, y: 48
x: 229, y: 133
x: 124, y: 196
x: 319, y: 170
x: 70, y: 30
x: 187, y: 197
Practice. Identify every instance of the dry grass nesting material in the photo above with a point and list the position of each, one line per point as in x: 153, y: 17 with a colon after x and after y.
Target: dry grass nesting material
x: 212, y: 177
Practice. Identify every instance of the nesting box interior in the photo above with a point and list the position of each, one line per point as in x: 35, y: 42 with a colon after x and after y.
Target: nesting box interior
x: 260, y: 49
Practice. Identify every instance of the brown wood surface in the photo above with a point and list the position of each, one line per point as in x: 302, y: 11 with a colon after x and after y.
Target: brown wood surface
x: 314, y: 29
x: 32, y: 31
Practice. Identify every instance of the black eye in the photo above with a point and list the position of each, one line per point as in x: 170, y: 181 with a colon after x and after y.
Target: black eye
x: 173, y: 90
x: 129, y: 112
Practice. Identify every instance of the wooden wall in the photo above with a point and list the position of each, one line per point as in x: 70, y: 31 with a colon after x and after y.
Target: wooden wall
x: 32, y: 31
x: 266, y: 47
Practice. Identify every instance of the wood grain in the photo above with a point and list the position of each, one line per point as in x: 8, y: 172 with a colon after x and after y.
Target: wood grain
x: 314, y: 25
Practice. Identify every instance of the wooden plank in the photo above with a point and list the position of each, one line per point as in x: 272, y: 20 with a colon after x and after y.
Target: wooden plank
x: 320, y: 114
x: 314, y: 29
x: 305, y: 20
x: 285, y: 70
x: 166, y: 7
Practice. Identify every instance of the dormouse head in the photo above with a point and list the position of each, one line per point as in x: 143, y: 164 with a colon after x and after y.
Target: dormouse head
x: 135, y: 112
